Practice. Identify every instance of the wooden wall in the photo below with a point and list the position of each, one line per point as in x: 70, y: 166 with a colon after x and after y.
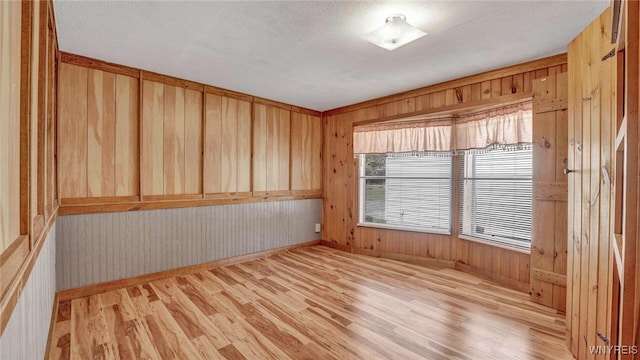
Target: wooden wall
x: 340, y: 175
x: 591, y: 117
x: 131, y: 139
x: 28, y: 192
x: 549, y: 213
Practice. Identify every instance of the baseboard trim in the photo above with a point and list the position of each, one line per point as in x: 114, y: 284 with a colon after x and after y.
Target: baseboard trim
x: 435, y: 263
x: 410, y: 259
x: 497, y: 278
x: 337, y: 246
x: 90, y: 290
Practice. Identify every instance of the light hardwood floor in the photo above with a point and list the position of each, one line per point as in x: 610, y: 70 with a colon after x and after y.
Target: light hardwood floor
x: 311, y: 303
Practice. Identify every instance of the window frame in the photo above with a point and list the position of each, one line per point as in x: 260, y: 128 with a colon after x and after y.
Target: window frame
x: 511, y: 244
x: 361, y: 181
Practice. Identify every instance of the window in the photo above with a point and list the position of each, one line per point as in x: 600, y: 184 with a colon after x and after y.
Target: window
x: 497, y: 196
x: 406, y: 191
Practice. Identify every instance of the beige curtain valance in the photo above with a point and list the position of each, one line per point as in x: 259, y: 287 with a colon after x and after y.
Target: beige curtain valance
x: 507, y: 125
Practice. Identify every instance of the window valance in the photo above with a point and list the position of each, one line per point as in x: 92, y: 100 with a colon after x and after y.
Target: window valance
x: 507, y: 125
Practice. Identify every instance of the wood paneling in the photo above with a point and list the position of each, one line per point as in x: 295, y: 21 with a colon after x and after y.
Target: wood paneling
x: 28, y: 198
x: 306, y: 152
x: 172, y: 140
x: 591, y: 118
x: 176, y: 143
x: 127, y: 157
x: 339, y: 169
x: 72, y: 122
x: 227, y: 146
x: 10, y: 123
x: 152, y: 171
x: 101, y: 133
x: 311, y: 302
x: 549, y: 213
x: 271, y: 136
x: 98, y: 133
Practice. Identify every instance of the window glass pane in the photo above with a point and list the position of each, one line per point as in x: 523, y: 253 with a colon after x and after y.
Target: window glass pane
x: 497, y: 196
x: 407, y: 191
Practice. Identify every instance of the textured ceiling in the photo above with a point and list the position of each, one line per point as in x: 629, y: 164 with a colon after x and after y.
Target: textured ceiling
x: 312, y: 54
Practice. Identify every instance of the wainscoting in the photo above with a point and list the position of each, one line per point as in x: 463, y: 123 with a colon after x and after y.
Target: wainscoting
x: 95, y: 248
x: 25, y: 336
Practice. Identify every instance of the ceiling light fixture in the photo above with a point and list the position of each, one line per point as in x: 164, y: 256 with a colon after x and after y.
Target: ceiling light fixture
x: 395, y: 33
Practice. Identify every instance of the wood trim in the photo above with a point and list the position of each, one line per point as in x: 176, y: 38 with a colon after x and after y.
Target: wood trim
x: 99, y: 200
x: 227, y: 93
x: 8, y: 302
x: 173, y: 197
x: 263, y: 194
x: 170, y: 204
x: 455, y: 109
x: 500, y: 279
x: 25, y: 118
x: 267, y: 102
x: 229, y: 195
x: 90, y: 63
x: 170, y: 80
x: 305, y: 111
x: 549, y: 277
x: 410, y: 259
x: 71, y: 294
x: 11, y: 260
x: 489, y: 75
x: 494, y: 244
x: 335, y: 245
x: 554, y: 104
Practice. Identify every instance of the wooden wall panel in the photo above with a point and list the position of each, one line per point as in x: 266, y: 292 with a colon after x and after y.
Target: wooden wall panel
x: 98, y: 126
x: 340, y: 177
x: 101, y: 133
x: 193, y: 142
x: 28, y: 198
x: 127, y: 158
x: 227, y: 146
x: 591, y: 119
x: 549, y: 232
x: 167, y: 142
x: 152, y: 174
x: 306, y: 152
x: 271, y: 148
x: 9, y: 123
x: 72, y: 123
x: 173, y: 140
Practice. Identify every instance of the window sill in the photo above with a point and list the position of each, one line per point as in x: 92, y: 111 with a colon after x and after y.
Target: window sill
x: 496, y: 244
x: 401, y: 228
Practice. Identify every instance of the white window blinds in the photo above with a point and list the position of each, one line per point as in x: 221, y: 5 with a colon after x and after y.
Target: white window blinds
x: 406, y: 191
x: 497, y: 196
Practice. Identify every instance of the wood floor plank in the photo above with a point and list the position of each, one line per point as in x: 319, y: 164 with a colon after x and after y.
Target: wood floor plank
x: 311, y: 303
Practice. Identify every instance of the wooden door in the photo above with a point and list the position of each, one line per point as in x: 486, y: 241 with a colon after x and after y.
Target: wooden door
x: 549, y: 223
x: 591, y: 113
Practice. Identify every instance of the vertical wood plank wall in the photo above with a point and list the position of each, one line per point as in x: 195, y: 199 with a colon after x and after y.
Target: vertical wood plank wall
x: 549, y: 213
x: 175, y: 143
x: 28, y: 193
x: 591, y: 118
x: 9, y: 123
x: 227, y: 157
x: 340, y: 183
